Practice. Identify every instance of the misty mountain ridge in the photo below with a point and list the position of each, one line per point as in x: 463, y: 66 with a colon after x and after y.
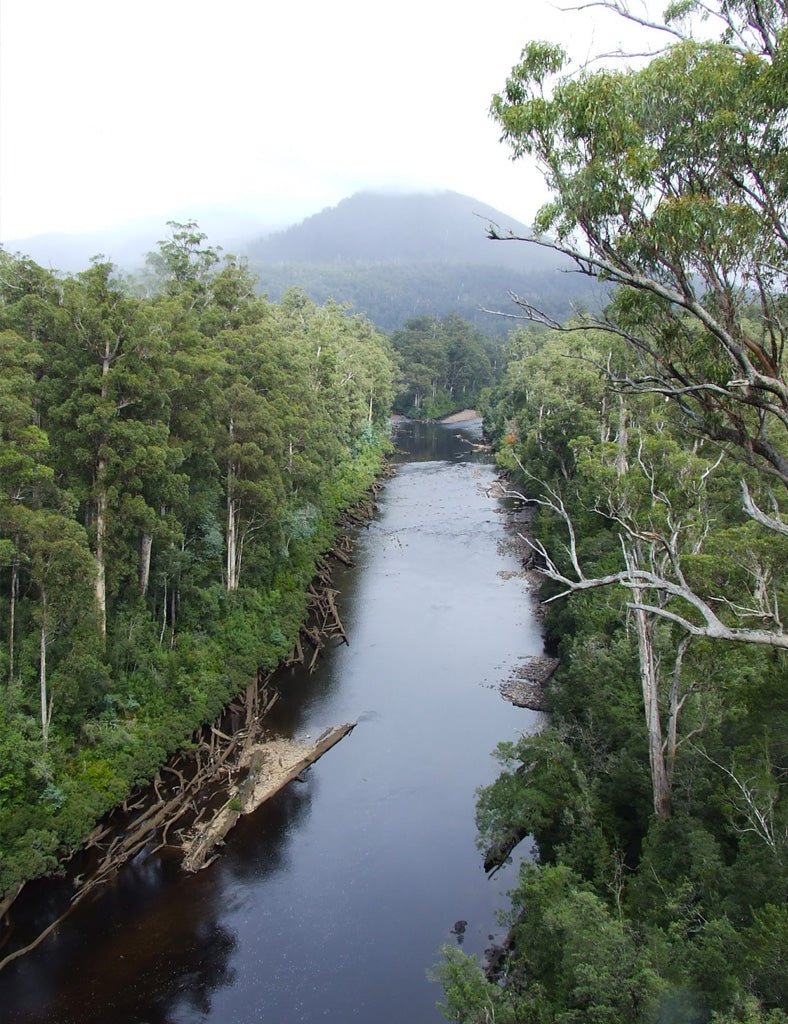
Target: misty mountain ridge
x: 388, y: 255
x: 425, y: 227
x: 394, y: 256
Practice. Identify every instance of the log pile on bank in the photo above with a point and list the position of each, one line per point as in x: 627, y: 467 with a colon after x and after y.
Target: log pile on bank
x: 232, y: 763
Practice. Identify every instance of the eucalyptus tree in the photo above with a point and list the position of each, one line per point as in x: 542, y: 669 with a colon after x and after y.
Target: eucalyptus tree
x: 674, y: 176
x: 105, y: 398
x: 60, y: 568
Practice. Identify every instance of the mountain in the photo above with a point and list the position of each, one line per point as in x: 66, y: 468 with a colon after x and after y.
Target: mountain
x: 371, y: 227
x: 395, y: 256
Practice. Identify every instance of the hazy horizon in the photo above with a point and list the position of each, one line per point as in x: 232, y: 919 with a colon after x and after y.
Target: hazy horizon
x: 110, y: 113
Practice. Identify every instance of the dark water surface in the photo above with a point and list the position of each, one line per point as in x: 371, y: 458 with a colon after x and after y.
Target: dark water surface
x: 333, y: 900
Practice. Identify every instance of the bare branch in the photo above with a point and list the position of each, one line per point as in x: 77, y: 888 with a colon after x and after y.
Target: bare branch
x: 755, y: 807
x: 770, y: 522
x: 635, y: 578
x: 623, y: 11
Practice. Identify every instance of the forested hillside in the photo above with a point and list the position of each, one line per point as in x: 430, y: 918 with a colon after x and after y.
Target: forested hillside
x: 396, y: 257
x: 651, y: 444
x: 171, y: 467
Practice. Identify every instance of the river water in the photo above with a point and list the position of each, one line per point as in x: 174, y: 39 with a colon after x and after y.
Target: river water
x: 333, y: 900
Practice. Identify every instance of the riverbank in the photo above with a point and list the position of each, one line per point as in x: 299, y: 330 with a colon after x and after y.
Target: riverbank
x: 333, y: 899
x: 136, y: 817
x: 464, y: 416
x: 527, y: 685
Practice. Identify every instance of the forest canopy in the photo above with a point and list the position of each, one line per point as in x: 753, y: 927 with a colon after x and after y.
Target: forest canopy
x: 175, y: 453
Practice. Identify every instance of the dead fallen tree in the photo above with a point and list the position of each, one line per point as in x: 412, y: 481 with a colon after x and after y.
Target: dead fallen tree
x: 270, y: 766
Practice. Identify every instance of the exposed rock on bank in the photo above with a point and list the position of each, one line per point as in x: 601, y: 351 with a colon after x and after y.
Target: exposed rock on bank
x: 526, y: 688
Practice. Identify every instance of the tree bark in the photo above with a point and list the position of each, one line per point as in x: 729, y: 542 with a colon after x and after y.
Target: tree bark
x: 660, y: 784
x: 232, y: 539
x: 42, y: 672
x: 146, y: 546
x: 622, y: 439
x: 100, y: 554
x: 12, y: 618
x: 675, y: 704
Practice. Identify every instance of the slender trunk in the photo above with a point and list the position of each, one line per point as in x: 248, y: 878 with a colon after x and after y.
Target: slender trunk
x: 101, y: 541
x: 622, y: 439
x: 660, y: 783
x: 173, y: 611
x: 12, y: 618
x: 232, y: 543
x: 42, y: 671
x: 369, y: 414
x: 163, y: 614
x: 146, y: 546
x: 674, y: 709
x: 232, y: 514
x: 101, y: 507
x: 604, y: 426
x: 239, y: 551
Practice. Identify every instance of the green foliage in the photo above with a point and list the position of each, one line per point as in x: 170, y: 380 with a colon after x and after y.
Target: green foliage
x: 184, y: 451
x: 650, y: 918
x: 571, y: 961
x: 642, y: 908
x: 444, y: 365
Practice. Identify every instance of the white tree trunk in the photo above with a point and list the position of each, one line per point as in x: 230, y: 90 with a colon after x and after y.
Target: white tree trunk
x: 649, y: 681
x: 146, y: 546
x: 675, y: 704
x: 233, y: 542
x: 100, y: 554
x: 46, y: 708
x: 622, y: 439
x: 12, y: 618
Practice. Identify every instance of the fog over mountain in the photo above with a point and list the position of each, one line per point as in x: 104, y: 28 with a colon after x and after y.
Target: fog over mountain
x: 390, y: 256
x: 126, y: 244
x: 395, y: 256
x: 375, y: 227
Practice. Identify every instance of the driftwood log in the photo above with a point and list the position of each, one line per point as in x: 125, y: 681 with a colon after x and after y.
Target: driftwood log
x: 271, y: 766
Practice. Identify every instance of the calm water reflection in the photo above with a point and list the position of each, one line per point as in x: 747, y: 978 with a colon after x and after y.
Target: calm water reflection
x: 332, y: 901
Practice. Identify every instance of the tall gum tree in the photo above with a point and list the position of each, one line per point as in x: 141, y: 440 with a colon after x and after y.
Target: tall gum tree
x: 674, y: 176
x: 105, y: 397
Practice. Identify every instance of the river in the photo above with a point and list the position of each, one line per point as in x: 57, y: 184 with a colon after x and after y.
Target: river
x: 332, y: 901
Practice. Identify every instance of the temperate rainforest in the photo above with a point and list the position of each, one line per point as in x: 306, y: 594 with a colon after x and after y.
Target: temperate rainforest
x: 368, y: 655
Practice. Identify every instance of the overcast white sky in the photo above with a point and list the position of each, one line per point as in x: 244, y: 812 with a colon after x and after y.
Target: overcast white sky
x: 112, y: 110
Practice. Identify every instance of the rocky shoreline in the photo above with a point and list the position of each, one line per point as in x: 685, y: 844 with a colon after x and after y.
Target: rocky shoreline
x: 526, y: 689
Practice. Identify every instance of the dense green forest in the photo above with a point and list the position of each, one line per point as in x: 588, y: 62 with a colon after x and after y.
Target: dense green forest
x: 651, y: 444
x: 175, y: 454
x: 390, y: 294
x: 445, y: 365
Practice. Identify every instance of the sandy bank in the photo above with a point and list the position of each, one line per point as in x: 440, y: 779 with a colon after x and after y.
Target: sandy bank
x: 461, y: 417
